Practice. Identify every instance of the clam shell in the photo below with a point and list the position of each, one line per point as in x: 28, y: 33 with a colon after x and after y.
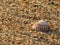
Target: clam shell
x: 41, y: 25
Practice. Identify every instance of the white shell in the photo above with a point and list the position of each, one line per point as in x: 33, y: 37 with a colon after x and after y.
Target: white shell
x: 42, y: 22
x: 41, y: 25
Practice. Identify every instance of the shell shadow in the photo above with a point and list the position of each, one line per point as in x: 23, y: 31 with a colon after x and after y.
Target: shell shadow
x: 45, y: 31
x: 52, y: 32
x: 49, y: 31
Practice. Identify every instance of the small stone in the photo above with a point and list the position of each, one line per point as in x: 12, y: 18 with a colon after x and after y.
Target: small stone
x: 41, y: 25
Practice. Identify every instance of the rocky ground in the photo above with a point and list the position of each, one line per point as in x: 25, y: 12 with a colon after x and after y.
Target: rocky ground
x: 17, y: 17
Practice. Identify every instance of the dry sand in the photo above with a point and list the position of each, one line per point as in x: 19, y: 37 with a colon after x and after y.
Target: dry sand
x: 17, y: 17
